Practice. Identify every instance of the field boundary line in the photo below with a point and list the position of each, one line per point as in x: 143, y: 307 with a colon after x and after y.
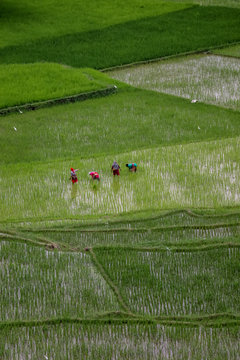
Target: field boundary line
x: 135, y: 230
x: 111, y: 284
x: 224, y: 55
x: 215, y: 320
x: 203, y: 51
x: 10, y: 237
x: 166, y: 213
x: 62, y: 100
x: 169, y: 248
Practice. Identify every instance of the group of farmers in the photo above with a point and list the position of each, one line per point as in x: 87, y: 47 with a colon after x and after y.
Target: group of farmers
x: 95, y: 175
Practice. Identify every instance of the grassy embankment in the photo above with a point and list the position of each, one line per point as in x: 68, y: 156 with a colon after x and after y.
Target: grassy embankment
x: 28, y: 83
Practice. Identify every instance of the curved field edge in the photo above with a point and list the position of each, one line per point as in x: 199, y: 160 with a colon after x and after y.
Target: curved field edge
x: 32, y: 83
x: 120, y: 317
x: 148, y: 38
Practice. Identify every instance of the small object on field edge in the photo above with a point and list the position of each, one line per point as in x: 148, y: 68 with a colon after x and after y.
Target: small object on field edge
x: 193, y: 101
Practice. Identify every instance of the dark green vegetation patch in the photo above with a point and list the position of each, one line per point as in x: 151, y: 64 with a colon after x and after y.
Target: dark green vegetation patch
x: 196, y: 28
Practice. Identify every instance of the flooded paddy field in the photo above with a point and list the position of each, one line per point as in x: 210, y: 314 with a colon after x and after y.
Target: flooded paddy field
x: 175, y: 283
x: 145, y: 265
x: 118, y: 341
x: 205, y: 78
x: 38, y: 284
x: 200, y: 175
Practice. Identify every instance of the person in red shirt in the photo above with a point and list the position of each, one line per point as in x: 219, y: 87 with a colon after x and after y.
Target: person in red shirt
x: 94, y: 175
x: 115, y: 168
x: 73, y: 176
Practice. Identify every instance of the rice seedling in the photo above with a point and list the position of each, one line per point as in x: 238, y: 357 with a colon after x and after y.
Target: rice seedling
x: 38, y: 284
x: 175, y: 283
x: 210, y: 79
x: 27, y: 83
x: 120, y: 341
x: 204, y: 175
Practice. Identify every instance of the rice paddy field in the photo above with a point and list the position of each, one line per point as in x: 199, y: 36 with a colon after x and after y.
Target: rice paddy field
x: 144, y: 265
x: 128, y: 341
x: 206, y: 78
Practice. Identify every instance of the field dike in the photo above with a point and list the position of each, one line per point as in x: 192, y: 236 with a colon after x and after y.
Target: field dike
x: 64, y: 100
x: 169, y: 239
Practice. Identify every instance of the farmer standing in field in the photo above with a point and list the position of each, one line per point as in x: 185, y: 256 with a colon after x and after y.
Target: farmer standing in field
x: 73, y: 176
x: 132, y: 167
x: 94, y: 175
x: 115, y: 168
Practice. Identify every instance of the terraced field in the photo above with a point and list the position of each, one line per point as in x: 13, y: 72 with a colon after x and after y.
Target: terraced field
x: 141, y: 266
x: 206, y: 78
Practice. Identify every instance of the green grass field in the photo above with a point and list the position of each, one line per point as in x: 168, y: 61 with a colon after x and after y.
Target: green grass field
x: 144, y: 265
x: 30, y: 83
x: 129, y: 120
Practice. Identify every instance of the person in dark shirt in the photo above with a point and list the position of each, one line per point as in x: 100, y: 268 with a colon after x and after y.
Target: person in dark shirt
x: 115, y: 168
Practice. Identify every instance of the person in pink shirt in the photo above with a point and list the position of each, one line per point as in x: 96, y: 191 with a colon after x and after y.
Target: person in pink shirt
x: 94, y: 175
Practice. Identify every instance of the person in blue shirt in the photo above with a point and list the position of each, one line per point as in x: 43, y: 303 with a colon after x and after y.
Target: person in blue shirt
x: 132, y: 167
